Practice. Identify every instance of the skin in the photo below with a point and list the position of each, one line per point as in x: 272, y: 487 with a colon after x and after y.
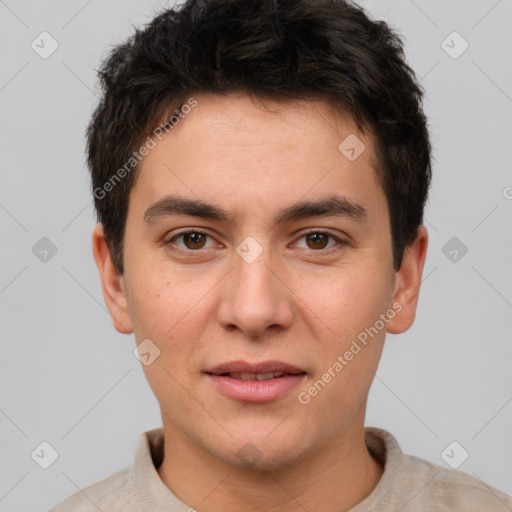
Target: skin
x: 297, y: 302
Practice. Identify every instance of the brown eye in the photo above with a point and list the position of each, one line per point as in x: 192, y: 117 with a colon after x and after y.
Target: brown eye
x: 317, y: 240
x: 194, y: 240
x: 190, y: 240
x: 320, y: 243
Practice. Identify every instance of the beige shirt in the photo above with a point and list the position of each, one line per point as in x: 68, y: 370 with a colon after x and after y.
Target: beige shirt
x: 408, y: 484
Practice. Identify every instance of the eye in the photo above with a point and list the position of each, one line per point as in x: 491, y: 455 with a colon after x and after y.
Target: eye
x: 319, y: 240
x: 192, y: 240
x: 195, y: 240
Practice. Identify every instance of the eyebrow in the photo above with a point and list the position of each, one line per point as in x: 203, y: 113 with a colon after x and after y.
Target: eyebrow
x: 335, y: 205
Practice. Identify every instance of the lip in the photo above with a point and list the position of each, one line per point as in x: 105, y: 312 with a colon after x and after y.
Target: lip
x: 255, y: 390
x: 263, y: 367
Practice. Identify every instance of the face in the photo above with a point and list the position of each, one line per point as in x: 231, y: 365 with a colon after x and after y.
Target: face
x: 258, y: 300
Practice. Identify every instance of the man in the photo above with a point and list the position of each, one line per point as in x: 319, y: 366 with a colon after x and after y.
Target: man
x: 260, y: 171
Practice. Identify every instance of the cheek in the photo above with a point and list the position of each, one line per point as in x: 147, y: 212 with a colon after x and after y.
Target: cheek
x: 349, y: 351
x: 171, y: 314
x: 345, y: 302
x: 174, y: 314
x: 161, y: 305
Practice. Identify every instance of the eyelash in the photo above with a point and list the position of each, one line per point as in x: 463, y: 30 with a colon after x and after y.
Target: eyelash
x: 310, y: 232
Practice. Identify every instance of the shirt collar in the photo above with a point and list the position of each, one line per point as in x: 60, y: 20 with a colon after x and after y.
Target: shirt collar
x: 154, y: 495
x: 385, y: 450
x: 151, y: 491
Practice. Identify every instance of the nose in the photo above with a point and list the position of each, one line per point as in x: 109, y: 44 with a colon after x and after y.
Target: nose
x: 255, y: 298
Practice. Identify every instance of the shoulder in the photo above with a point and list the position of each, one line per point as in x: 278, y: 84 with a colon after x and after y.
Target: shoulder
x: 412, y: 484
x: 112, y: 494
x: 431, y: 485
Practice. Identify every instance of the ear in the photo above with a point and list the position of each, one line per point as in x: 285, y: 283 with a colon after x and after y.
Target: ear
x: 112, y: 282
x: 407, y: 283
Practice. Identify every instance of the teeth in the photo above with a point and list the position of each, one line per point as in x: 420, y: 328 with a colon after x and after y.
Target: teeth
x: 255, y: 376
x: 266, y: 376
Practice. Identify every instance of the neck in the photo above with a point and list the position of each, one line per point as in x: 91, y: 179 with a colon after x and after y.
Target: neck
x: 337, y: 477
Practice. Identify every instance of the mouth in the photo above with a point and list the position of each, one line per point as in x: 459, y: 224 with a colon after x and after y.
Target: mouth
x: 255, y: 376
x: 255, y: 382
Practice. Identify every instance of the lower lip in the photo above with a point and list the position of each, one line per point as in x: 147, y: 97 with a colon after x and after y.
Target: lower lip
x: 256, y: 390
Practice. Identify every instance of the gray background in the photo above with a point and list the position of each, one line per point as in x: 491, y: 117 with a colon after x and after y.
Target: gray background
x: 68, y: 378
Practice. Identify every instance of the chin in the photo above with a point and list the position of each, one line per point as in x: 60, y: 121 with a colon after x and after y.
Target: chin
x: 260, y: 453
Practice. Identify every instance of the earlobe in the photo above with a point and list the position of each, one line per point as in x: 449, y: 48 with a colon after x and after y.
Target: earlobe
x: 112, y: 282
x: 408, y: 282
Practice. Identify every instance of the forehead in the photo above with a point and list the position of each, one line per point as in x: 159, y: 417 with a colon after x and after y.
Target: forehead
x: 244, y: 151
x: 243, y: 120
